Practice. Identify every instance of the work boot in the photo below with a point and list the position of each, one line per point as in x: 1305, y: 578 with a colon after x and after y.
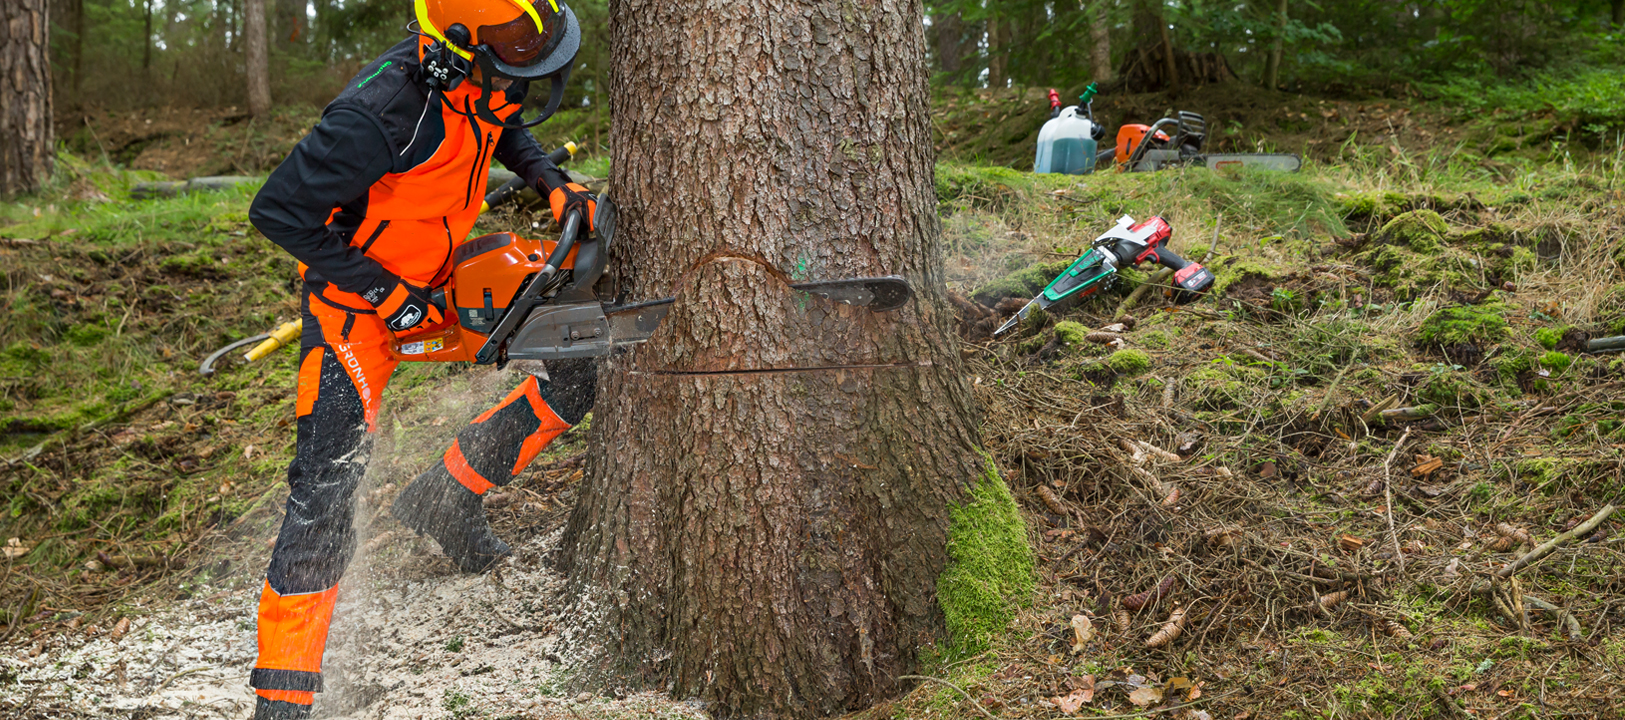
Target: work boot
x: 437, y: 505
x: 278, y: 710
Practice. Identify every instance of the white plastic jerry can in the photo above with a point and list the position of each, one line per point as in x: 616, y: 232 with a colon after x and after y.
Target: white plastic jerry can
x: 1066, y: 145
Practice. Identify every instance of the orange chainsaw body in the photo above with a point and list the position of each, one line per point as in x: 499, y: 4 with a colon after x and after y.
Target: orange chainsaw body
x: 1129, y: 137
x: 487, y: 274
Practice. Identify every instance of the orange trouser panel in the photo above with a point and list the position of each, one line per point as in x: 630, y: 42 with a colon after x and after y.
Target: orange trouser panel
x: 292, y: 636
x: 297, y: 697
x: 309, y: 373
x: 499, y: 443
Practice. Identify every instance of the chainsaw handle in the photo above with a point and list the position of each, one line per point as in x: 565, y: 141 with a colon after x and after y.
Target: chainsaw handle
x: 567, y: 241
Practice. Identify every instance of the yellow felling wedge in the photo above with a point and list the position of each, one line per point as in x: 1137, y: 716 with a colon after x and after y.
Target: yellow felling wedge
x: 279, y: 337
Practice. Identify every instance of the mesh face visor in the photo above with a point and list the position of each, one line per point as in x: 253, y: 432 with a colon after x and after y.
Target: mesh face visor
x: 518, y: 42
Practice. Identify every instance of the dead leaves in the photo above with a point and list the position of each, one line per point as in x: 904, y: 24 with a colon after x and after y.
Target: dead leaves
x: 15, y: 548
x: 1082, y: 632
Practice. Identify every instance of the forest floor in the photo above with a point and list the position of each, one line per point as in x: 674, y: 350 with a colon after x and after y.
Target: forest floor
x: 1233, y: 452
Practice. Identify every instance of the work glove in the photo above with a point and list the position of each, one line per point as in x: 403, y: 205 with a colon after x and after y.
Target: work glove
x: 565, y: 196
x: 402, y: 305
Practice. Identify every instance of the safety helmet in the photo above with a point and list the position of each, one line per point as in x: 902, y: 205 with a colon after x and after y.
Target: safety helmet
x: 521, y: 40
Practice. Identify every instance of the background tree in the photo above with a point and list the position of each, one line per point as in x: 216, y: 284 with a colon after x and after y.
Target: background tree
x: 27, y: 143
x: 766, y: 511
x: 258, y: 65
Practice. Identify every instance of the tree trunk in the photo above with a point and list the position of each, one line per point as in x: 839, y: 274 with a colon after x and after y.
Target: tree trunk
x: 1619, y: 14
x: 951, y: 43
x: 289, y: 26
x: 1100, y: 50
x: 996, y: 77
x: 27, y: 146
x: 257, y: 65
x: 764, y: 517
x: 146, y: 44
x: 1169, y: 63
x: 78, y: 46
x: 1272, y: 67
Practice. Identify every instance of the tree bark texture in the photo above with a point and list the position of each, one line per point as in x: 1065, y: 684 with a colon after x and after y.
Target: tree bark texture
x: 27, y: 142
x: 1272, y: 66
x: 1100, y: 36
x: 765, y: 511
x: 257, y: 65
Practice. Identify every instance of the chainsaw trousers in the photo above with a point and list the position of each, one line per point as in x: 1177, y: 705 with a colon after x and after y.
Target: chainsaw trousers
x: 345, y: 363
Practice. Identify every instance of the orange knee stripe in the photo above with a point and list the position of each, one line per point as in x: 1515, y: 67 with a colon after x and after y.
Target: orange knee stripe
x: 459, y: 468
x: 297, y: 697
x: 551, y: 427
x: 293, y: 629
x: 527, y: 389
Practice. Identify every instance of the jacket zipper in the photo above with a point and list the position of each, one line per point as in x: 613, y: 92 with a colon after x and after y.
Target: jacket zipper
x: 479, y: 165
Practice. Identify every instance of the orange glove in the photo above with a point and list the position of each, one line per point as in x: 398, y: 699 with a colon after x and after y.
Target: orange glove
x: 571, y: 196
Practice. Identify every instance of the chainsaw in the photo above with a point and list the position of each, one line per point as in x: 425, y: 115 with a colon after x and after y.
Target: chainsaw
x: 1128, y: 244
x: 1143, y: 148
x: 516, y: 298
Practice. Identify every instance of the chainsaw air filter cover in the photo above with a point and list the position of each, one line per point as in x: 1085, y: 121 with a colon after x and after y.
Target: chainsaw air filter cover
x: 489, y: 271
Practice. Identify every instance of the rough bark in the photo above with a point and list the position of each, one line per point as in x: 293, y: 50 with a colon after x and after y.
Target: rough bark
x: 257, y: 64
x: 27, y: 143
x: 1272, y: 66
x: 1100, y: 36
x: 765, y: 512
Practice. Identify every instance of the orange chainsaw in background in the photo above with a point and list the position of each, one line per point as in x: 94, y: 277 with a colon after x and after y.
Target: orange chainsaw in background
x: 515, y: 298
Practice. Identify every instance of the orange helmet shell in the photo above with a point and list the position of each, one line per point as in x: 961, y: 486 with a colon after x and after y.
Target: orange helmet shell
x: 435, y: 16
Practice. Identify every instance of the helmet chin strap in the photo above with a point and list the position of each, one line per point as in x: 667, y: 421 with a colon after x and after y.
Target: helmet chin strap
x: 482, y: 106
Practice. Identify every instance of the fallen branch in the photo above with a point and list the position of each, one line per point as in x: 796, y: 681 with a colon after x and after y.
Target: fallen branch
x: 1388, y: 495
x: 1563, y: 616
x: 1547, y: 547
x: 119, y: 414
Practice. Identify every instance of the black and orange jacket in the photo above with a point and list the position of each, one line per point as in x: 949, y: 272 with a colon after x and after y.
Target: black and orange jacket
x: 391, y: 179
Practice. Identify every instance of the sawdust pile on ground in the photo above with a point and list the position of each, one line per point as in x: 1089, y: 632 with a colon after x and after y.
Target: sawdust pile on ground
x: 412, y: 639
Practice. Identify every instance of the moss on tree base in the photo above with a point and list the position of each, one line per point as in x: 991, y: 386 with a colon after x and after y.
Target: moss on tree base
x: 990, y: 565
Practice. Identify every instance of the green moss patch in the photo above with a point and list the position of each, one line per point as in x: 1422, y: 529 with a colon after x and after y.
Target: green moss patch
x: 1023, y: 283
x: 1129, y: 362
x: 1465, y: 325
x: 990, y: 565
x: 1422, y: 231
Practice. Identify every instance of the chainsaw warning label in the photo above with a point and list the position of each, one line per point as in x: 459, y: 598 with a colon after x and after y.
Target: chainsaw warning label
x: 425, y: 346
